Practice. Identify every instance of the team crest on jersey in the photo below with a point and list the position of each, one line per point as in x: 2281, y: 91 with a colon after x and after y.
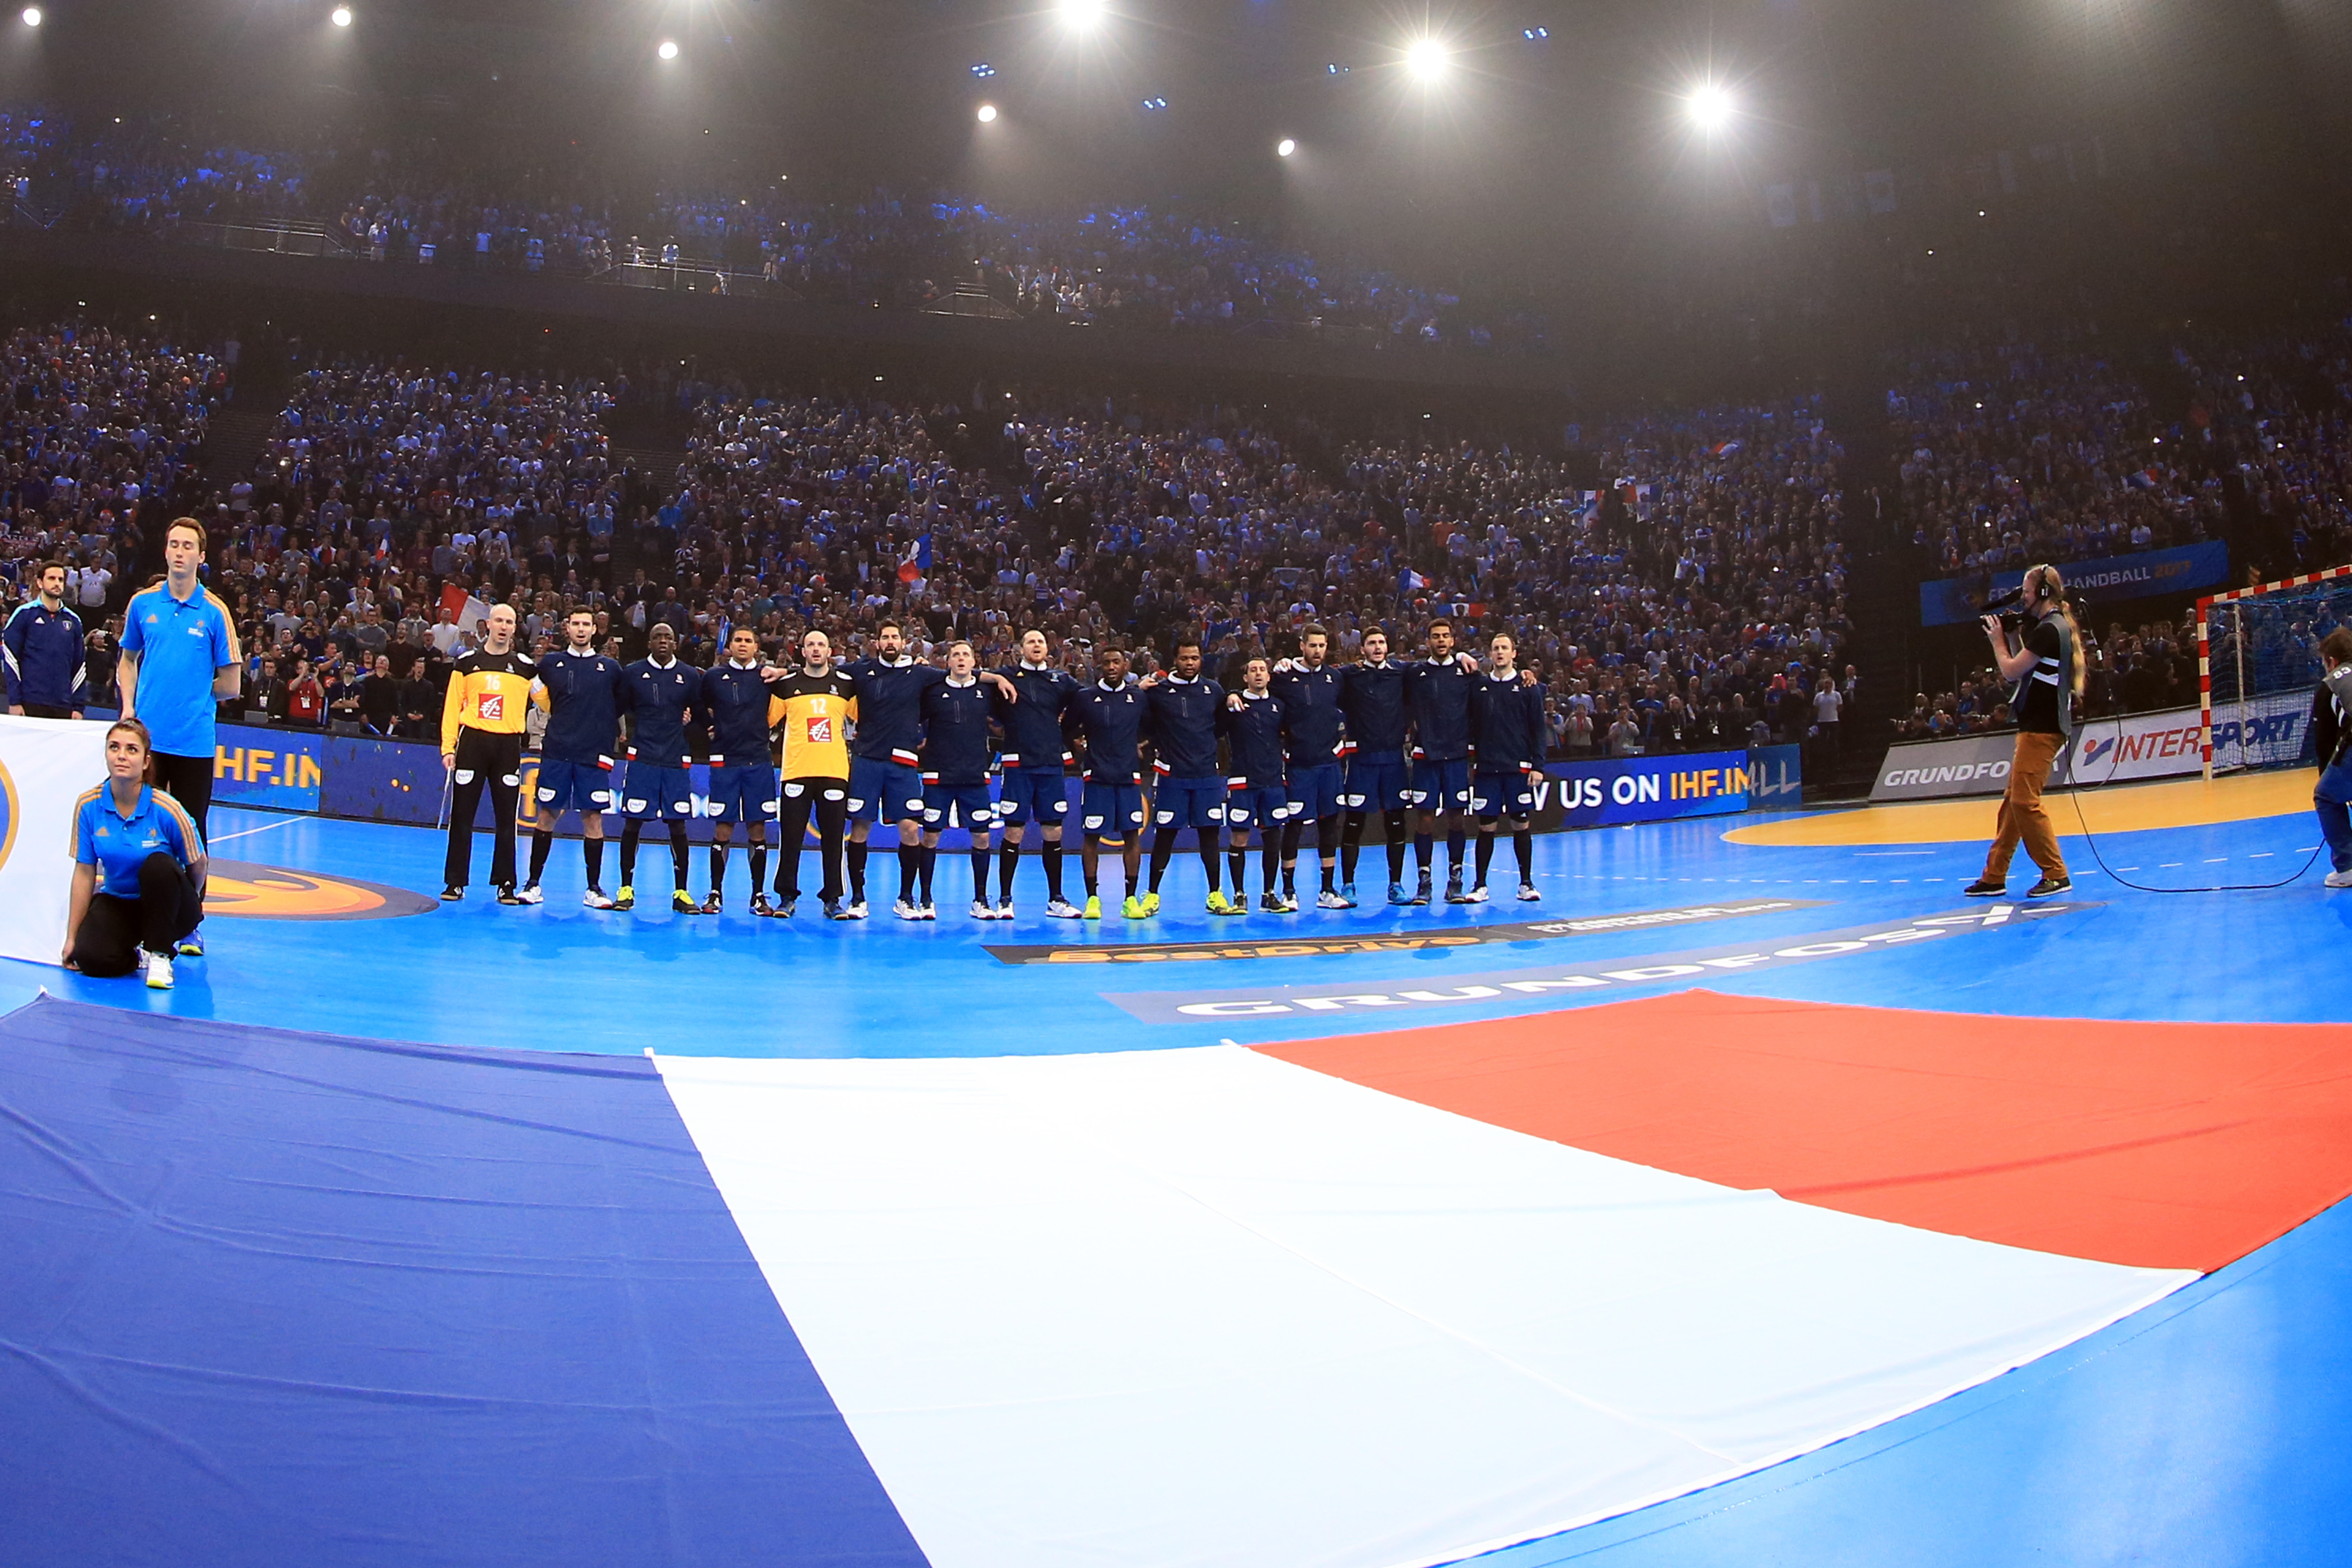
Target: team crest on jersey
x: 494, y: 706
x: 820, y: 732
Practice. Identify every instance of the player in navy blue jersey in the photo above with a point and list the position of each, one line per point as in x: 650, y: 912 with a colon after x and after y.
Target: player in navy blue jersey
x: 658, y: 695
x: 1506, y: 728
x: 1105, y: 721
x: 736, y: 701
x: 1034, y: 788
x: 577, y: 686
x: 1181, y: 720
x: 1372, y: 694
x: 1437, y: 695
x: 955, y: 776
x: 886, y: 784
x: 1309, y: 687
x: 1254, y: 722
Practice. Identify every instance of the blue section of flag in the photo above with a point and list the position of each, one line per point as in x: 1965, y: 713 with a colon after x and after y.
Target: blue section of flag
x: 270, y: 1298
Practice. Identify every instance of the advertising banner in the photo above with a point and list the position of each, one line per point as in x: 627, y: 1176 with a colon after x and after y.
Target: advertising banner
x: 1949, y: 601
x: 46, y: 765
x: 1641, y: 789
x: 278, y: 769
x: 1936, y: 770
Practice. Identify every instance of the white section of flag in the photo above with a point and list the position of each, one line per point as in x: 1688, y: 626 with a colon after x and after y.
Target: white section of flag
x: 1202, y: 1307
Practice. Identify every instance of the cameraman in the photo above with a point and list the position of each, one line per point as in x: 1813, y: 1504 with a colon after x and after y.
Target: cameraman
x: 2048, y: 669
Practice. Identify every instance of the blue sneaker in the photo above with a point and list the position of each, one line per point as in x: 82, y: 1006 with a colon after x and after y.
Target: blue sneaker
x: 1348, y: 891
x: 192, y: 945
x: 1397, y: 894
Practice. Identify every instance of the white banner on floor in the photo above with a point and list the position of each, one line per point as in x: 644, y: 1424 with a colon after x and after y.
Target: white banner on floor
x: 45, y: 766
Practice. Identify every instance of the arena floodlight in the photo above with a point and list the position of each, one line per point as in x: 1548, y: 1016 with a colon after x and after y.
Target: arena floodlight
x: 1081, y: 15
x: 1285, y: 148
x: 1710, y: 106
x: 341, y: 15
x: 988, y: 114
x: 32, y: 15
x: 1428, y: 58
x: 669, y: 49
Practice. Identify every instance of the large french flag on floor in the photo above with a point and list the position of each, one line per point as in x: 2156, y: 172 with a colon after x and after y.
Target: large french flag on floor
x: 271, y: 1297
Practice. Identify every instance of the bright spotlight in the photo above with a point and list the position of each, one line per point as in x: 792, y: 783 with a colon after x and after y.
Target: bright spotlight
x: 1427, y: 59
x: 988, y: 114
x: 341, y: 15
x: 1081, y: 15
x: 669, y: 49
x: 32, y: 15
x: 1710, y: 106
x: 1285, y: 148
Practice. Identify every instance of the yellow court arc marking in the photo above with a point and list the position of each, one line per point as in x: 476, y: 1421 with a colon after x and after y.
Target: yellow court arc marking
x: 275, y: 894
x: 2117, y: 809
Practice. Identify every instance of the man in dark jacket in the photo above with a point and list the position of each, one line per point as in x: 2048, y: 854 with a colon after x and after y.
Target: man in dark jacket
x: 2331, y: 729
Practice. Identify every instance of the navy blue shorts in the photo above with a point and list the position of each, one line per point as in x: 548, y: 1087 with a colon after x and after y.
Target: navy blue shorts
x: 958, y: 805
x: 649, y: 790
x: 1267, y: 808
x: 565, y: 784
x: 1441, y: 786
x: 1316, y: 791
x: 1042, y: 794
x: 1188, y: 803
x: 1111, y: 810
x: 746, y: 792
x: 1375, y: 783
x: 882, y: 791
x: 1493, y: 794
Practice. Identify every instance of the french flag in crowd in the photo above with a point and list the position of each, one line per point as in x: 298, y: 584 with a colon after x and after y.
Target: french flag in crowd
x: 916, y: 565
x: 1409, y: 581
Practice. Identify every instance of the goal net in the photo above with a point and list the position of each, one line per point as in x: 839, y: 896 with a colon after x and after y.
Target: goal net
x: 2258, y: 663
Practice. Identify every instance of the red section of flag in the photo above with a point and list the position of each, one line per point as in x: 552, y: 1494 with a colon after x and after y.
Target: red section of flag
x: 2164, y: 1145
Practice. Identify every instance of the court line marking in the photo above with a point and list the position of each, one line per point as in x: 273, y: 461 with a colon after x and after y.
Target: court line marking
x: 249, y: 832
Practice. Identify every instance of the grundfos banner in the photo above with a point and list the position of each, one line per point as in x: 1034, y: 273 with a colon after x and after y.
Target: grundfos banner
x: 2166, y: 744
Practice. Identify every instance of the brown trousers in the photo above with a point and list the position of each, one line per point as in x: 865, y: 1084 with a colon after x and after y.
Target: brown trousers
x: 2021, y: 816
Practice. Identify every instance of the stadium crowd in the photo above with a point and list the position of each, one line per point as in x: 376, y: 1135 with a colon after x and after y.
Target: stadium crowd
x: 1138, y: 266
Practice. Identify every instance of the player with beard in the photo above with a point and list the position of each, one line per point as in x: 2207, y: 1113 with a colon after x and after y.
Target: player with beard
x: 1182, y: 717
x: 1437, y: 696
x: 1314, y: 732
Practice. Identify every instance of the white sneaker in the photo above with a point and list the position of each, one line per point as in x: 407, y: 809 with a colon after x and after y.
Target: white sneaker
x: 1527, y: 894
x: 1062, y: 910
x: 905, y: 910
x: 1004, y: 910
x: 855, y: 911
x: 981, y: 911
x: 930, y: 911
x: 2339, y: 878
x: 1477, y: 894
x: 158, y: 972
x: 595, y: 899
x: 528, y: 893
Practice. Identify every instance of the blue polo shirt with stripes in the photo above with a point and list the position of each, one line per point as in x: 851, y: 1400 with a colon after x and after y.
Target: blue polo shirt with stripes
x: 181, y: 642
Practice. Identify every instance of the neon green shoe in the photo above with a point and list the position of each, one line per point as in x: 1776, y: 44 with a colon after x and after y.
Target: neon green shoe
x: 1221, y: 905
x: 1094, y: 908
x: 1151, y: 904
x: 1135, y: 909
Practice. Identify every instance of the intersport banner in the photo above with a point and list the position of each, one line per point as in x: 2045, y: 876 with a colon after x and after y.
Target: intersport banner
x: 1949, y: 601
x: 45, y: 766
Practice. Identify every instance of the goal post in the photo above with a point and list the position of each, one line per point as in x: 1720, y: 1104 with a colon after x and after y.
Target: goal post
x: 2257, y: 662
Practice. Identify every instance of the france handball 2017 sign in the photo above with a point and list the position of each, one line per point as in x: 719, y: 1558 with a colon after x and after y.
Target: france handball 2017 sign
x: 46, y: 765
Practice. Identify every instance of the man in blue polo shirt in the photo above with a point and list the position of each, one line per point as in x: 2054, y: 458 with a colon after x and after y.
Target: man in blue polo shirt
x: 180, y: 659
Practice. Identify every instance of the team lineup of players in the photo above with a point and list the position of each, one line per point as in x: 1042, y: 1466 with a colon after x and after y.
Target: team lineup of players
x: 839, y: 747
